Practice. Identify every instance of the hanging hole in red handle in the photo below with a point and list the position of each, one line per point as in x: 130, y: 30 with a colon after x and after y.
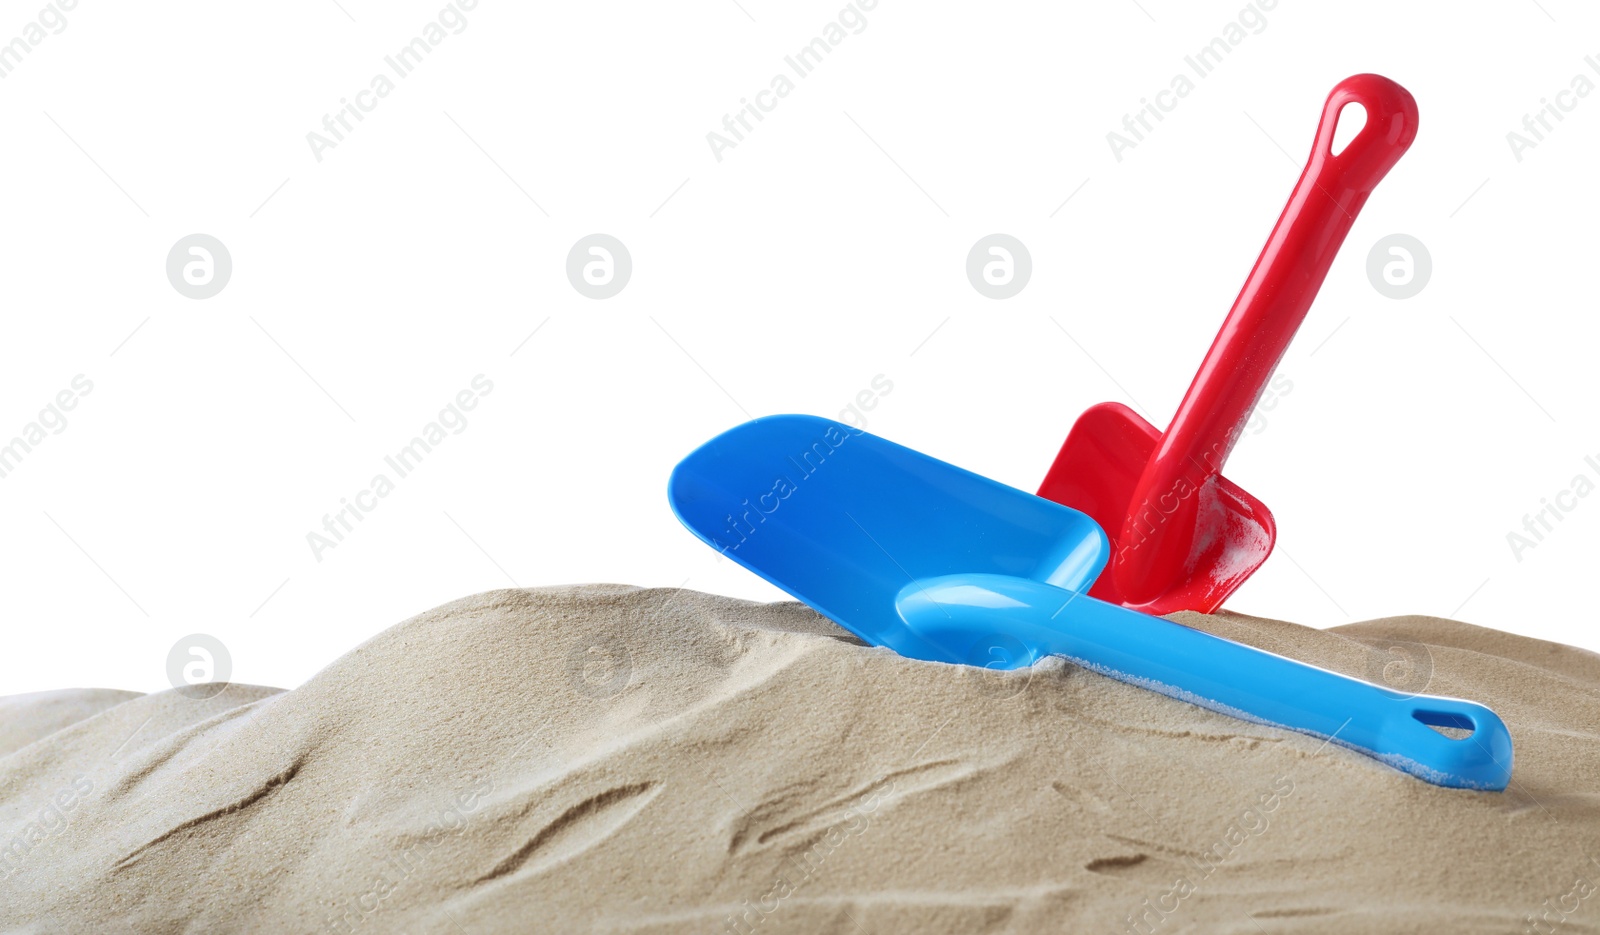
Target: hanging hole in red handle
x: 1352, y: 119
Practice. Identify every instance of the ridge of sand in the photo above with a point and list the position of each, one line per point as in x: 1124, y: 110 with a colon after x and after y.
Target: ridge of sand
x: 614, y: 759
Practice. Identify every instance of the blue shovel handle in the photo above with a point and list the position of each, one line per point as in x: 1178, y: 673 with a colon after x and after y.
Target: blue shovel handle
x: 967, y: 615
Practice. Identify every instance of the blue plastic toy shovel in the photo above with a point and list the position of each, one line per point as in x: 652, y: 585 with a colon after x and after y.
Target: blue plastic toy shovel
x: 938, y: 563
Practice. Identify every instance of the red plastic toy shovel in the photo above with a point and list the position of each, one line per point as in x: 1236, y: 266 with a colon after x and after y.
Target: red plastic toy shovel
x: 1183, y: 537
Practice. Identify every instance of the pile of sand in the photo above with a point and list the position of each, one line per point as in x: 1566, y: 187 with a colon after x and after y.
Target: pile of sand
x: 607, y: 758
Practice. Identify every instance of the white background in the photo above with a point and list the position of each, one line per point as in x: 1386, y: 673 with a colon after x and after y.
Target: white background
x: 370, y: 287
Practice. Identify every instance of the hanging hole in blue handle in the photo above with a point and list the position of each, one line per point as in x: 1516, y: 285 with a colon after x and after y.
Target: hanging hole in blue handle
x: 1451, y: 724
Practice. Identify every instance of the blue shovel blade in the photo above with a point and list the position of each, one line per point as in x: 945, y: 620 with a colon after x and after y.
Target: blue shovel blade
x: 942, y: 564
x: 844, y: 520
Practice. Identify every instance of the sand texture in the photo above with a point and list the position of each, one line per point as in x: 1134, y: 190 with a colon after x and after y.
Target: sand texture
x: 613, y: 759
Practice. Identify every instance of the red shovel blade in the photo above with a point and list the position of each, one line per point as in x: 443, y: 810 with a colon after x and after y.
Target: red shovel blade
x: 1228, y: 531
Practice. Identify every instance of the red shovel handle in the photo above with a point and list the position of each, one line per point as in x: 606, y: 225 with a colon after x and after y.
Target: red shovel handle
x: 1257, y: 332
